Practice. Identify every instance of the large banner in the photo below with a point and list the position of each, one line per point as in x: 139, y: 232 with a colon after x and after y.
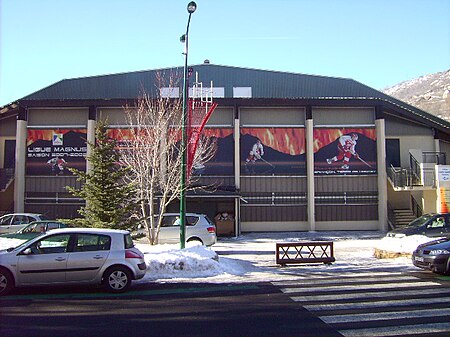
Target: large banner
x: 273, y: 151
x: 52, y: 152
x: 220, y: 164
x: 345, y: 151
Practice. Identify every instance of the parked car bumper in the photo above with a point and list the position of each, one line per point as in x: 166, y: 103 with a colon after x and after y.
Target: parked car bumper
x: 437, y: 263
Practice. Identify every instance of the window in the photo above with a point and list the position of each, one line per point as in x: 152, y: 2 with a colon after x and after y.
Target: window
x: 128, y: 241
x: 36, y: 228
x: 52, y: 225
x: 92, y: 242
x: 5, y: 220
x: 20, y: 219
x: 51, y: 244
x: 437, y: 223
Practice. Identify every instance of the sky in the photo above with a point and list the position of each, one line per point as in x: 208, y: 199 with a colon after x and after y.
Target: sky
x: 376, y: 42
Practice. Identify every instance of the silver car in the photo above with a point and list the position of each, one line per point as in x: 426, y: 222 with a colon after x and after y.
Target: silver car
x: 199, y: 229
x: 11, y: 223
x: 73, y: 256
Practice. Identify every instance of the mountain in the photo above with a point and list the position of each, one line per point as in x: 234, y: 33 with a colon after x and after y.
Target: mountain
x: 430, y: 93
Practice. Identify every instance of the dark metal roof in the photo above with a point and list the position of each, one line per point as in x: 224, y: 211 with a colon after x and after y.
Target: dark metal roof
x: 265, y: 84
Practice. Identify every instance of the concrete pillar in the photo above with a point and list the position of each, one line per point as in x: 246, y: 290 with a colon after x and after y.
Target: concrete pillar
x: 237, y: 172
x: 91, y: 140
x: 437, y: 146
x: 91, y: 126
x: 382, y: 176
x: 310, y: 174
x: 237, y: 160
x: 19, y: 173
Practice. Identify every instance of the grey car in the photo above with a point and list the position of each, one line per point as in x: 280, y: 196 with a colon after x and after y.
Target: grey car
x: 11, y: 223
x: 199, y: 229
x: 73, y: 256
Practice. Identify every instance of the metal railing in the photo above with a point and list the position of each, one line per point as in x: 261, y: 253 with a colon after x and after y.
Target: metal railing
x: 438, y: 158
x: 391, y: 216
x: 420, y: 173
x: 416, y: 208
x: 401, y: 177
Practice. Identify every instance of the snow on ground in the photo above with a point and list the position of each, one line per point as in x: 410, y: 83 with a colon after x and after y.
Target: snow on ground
x: 251, y: 257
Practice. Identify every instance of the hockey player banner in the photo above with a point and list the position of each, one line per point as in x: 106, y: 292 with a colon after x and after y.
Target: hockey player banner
x: 52, y: 152
x: 273, y: 151
x: 349, y: 151
x: 222, y: 161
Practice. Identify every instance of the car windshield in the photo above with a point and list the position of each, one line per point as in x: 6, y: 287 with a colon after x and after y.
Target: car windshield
x: 23, y: 244
x: 35, y: 227
x: 420, y: 221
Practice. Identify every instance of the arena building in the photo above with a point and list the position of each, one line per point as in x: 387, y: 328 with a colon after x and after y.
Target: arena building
x: 295, y: 152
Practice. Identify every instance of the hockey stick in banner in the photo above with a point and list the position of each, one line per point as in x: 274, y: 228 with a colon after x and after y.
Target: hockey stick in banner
x: 364, y: 162
x: 266, y: 161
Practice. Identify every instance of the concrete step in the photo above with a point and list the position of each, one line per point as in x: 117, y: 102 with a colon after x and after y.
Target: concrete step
x: 402, y: 217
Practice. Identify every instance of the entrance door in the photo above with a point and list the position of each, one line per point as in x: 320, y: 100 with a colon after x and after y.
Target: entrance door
x: 393, y: 152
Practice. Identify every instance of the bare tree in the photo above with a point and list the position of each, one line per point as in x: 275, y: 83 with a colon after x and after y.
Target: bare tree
x: 154, y: 155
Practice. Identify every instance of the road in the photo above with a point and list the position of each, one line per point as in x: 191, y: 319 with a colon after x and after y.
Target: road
x: 352, y: 304
x: 159, y: 310
x: 377, y: 303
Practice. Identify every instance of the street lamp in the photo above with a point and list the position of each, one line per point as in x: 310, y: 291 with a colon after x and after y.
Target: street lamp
x: 191, y: 7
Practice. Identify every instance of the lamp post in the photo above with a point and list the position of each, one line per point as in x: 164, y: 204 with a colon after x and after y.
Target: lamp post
x: 191, y: 7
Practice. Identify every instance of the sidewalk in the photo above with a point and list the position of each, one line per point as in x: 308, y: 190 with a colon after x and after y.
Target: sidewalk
x: 251, y: 258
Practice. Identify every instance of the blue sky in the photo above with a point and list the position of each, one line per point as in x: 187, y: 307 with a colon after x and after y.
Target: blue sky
x: 376, y: 42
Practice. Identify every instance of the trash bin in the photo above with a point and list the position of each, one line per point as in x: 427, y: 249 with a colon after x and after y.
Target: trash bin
x: 224, y: 224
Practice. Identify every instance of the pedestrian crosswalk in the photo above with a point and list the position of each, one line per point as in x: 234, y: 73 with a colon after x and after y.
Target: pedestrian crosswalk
x: 375, y: 304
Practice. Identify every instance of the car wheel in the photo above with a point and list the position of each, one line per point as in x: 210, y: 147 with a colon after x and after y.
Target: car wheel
x: 194, y: 242
x: 6, y: 282
x: 447, y: 271
x: 117, y: 279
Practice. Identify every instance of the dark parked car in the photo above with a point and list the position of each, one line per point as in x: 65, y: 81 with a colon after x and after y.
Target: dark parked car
x: 434, y: 256
x: 34, y: 229
x: 431, y: 225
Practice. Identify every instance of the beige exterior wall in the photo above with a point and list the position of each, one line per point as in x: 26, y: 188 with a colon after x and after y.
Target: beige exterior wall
x: 222, y: 117
x: 114, y: 116
x: 371, y: 225
x: 398, y: 199
x: 58, y: 117
x: 272, y: 116
x: 343, y: 116
x: 424, y: 143
x: 8, y: 127
x: 429, y: 201
x: 285, y: 226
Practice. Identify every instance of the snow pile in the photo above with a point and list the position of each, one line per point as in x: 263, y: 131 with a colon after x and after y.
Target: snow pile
x: 194, y: 261
x: 389, y: 247
x: 165, y: 262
